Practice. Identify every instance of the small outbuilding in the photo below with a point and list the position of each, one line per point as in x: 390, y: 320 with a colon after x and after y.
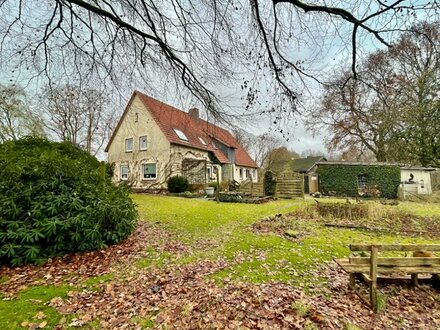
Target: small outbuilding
x: 373, y: 179
x: 416, y: 180
x: 307, y: 166
x: 358, y: 179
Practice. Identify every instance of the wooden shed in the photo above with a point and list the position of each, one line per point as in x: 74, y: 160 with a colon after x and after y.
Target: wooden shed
x: 416, y: 180
x: 307, y: 166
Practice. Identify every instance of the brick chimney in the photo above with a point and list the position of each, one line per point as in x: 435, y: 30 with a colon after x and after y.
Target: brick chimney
x: 194, y: 114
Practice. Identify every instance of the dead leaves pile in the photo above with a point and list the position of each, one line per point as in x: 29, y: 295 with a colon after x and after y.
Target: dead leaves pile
x: 184, y: 298
x: 76, y: 267
x: 405, y: 307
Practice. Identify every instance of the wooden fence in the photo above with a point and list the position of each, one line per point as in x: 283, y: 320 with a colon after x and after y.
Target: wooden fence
x: 289, y: 185
x: 252, y: 188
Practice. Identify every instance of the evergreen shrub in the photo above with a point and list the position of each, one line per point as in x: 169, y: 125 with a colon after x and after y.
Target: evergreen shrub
x: 56, y: 199
x: 177, y: 184
x: 269, y: 184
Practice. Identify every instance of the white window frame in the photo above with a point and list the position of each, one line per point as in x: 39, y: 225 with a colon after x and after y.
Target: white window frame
x: 143, y: 172
x: 202, y: 141
x: 120, y: 172
x: 180, y: 134
x: 140, y: 143
x: 132, y: 145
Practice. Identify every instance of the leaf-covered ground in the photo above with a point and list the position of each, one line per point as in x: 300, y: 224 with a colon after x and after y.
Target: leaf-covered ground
x: 195, y: 264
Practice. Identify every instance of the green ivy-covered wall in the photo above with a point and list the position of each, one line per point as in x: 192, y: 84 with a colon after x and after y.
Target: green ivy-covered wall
x: 343, y: 179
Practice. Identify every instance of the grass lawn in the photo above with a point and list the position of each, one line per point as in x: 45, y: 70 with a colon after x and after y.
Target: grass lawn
x: 227, y: 228
x: 191, y: 231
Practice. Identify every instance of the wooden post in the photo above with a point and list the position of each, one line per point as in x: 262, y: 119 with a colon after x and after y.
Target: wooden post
x: 217, y: 194
x: 352, y: 284
x: 414, y: 280
x: 373, y: 276
x: 302, y: 185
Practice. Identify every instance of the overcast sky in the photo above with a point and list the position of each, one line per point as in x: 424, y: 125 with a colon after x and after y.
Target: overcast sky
x: 327, y: 46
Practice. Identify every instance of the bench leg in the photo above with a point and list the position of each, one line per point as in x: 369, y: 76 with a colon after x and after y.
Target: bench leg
x: 373, y: 294
x: 373, y: 276
x: 414, y: 280
x: 352, y: 284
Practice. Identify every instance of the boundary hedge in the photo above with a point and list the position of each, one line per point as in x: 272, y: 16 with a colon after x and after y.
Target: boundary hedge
x: 343, y: 179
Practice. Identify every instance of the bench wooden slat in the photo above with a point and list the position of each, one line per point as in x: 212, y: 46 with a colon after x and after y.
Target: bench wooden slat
x: 398, y: 261
x: 392, y: 247
x: 365, y: 268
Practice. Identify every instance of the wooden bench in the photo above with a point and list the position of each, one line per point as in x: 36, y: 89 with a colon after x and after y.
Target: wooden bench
x: 368, y: 268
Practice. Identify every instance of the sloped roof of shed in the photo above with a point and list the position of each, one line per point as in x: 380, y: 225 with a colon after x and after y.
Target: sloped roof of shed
x: 304, y: 165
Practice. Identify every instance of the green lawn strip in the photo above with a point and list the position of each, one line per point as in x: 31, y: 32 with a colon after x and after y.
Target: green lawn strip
x: 28, y: 304
x: 191, y: 220
x: 194, y: 218
x: 420, y: 209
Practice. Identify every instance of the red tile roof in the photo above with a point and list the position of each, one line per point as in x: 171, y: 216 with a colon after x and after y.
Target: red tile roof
x: 169, y: 118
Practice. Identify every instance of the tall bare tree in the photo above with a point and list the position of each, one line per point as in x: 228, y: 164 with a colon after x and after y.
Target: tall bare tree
x: 418, y: 60
x: 391, y: 111
x: 78, y: 115
x: 16, y: 118
x: 273, y: 49
x: 259, y: 146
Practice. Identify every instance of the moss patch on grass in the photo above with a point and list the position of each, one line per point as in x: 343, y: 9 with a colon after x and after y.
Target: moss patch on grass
x: 97, y: 280
x: 31, y: 306
x: 4, y: 279
x: 144, y: 323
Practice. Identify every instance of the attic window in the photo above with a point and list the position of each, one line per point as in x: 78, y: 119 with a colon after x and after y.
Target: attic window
x: 180, y: 134
x: 202, y: 141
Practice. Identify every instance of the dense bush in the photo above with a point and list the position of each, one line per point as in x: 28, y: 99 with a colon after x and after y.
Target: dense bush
x: 231, y: 197
x: 269, y: 184
x: 342, y: 180
x: 344, y: 210
x: 177, y: 184
x: 55, y: 199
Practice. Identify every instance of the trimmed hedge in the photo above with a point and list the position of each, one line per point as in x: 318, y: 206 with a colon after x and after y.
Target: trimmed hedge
x: 57, y: 199
x: 269, y: 184
x: 177, y: 184
x: 342, y: 180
